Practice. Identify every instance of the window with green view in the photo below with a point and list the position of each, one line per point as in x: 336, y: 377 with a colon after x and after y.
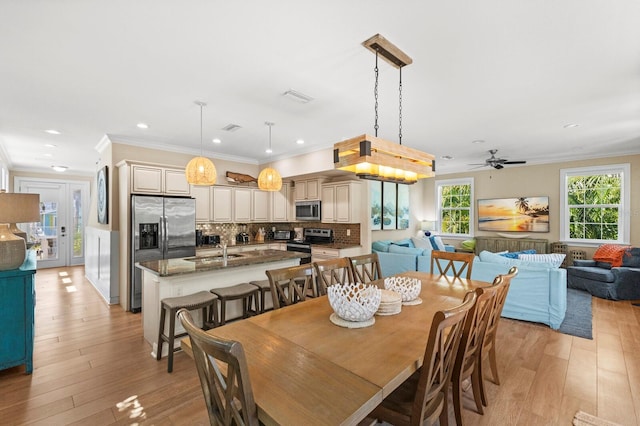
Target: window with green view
x: 455, y: 206
x: 594, y: 204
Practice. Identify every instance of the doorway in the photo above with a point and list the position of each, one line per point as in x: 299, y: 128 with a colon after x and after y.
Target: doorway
x: 59, y: 236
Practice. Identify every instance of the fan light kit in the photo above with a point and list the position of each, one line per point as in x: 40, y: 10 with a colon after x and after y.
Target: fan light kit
x: 370, y: 157
x: 496, y: 162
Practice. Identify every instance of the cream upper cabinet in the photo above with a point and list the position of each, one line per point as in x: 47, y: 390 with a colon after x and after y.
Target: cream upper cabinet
x: 260, y: 205
x: 341, y: 202
x: 280, y: 205
x: 242, y: 204
x: 221, y: 204
x: 202, y: 194
x: 308, y: 189
x: 147, y: 179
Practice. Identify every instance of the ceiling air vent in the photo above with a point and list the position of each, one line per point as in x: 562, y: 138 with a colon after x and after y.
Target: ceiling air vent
x: 231, y: 127
x: 297, y: 96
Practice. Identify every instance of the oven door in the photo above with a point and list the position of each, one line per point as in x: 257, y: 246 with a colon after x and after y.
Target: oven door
x: 300, y: 248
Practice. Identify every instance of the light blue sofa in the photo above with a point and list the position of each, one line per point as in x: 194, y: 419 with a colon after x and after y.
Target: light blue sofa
x: 537, y: 294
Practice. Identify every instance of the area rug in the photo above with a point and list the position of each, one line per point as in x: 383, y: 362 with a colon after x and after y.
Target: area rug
x: 583, y: 419
x: 577, y: 320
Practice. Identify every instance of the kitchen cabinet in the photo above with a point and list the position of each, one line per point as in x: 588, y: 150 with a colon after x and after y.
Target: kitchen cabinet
x: 202, y: 195
x: 148, y: 179
x: 280, y: 205
x: 341, y: 202
x: 221, y: 204
x: 319, y: 253
x: 308, y: 189
x: 242, y: 204
x: 260, y: 205
x: 17, y: 305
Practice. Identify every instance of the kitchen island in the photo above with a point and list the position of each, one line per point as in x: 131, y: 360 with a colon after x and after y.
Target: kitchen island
x: 179, y: 277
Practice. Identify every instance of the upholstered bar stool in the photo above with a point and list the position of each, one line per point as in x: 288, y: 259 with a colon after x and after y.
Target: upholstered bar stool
x: 202, y: 300
x: 263, y: 287
x: 246, y: 292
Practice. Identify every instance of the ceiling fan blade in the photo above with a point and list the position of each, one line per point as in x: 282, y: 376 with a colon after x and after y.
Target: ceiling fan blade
x: 514, y: 162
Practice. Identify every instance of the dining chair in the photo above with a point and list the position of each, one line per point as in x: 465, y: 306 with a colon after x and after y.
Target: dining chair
x: 423, y: 396
x: 466, y: 366
x: 454, y: 261
x: 501, y: 283
x: 332, y: 271
x: 365, y: 268
x: 291, y: 285
x: 229, y: 397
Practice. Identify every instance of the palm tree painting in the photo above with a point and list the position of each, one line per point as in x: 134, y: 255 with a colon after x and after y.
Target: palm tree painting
x: 520, y: 214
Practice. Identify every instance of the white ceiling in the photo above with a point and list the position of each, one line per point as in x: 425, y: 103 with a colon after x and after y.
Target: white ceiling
x: 510, y: 72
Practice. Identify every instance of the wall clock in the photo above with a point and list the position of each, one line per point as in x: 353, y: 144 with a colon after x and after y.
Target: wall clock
x: 103, y: 195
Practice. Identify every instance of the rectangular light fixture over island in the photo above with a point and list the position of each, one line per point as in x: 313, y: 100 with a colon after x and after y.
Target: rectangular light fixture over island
x: 374, y: 158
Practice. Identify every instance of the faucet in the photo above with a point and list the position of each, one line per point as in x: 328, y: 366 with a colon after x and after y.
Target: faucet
x: 223, y: 246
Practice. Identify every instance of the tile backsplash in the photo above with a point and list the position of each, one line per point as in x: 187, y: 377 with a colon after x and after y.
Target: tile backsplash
x: 228, y: 231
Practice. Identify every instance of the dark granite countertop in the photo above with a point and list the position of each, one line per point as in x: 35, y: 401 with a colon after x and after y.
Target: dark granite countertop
x: 338, y: 246
x: 189, y: 265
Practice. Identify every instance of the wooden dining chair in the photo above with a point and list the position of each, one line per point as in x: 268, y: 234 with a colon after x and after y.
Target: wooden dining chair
x: 332, y: 271
x: 456, y: 262
x: 423, y: 396
x: 291, y: 285
x: 501, y: 283
x: 466, y: 366
x: 229, y: 397
x: 365, y: 268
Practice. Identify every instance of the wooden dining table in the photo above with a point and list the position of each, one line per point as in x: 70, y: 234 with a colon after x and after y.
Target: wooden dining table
x: 306, y: 370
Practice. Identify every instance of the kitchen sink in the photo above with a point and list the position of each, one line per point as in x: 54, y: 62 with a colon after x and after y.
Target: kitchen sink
x: 217, y: 258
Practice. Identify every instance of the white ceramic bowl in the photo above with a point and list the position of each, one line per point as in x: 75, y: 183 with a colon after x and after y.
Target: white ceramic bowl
x: 408, y: 288
x: 354, y: 301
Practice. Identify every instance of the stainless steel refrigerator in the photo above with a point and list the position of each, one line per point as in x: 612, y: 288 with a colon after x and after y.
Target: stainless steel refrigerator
x: 161, y: 228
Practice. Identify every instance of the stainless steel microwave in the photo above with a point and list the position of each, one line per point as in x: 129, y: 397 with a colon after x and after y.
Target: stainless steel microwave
x: 308, y: 210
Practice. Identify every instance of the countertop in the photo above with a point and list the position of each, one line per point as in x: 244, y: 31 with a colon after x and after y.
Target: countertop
x: 338, y: 246
x: 189, y: 265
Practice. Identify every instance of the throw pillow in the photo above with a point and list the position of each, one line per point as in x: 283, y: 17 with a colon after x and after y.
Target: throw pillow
x: 516, y: 254
x: 487, y: 256
x: 555, y: 259
x: 421, y: 243
x: 437, y: 243
x: 611, y: 253
x: 404, y: 243
x: 381, y: 246
x: 631, y: 257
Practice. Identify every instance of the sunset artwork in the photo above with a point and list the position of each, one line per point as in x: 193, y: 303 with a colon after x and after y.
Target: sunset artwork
x: 518, y: 214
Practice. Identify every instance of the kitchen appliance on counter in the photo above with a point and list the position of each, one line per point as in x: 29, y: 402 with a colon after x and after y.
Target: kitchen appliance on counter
x: 211, y: 240
x: 282, y: 235
x: 298, y: 234
x: 308, y: 210
x: 161, y: 228
x: 242, y: 237
x: 199, y: 238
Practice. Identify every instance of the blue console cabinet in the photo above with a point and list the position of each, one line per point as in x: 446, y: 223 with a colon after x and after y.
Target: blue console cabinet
x: 17, y: 303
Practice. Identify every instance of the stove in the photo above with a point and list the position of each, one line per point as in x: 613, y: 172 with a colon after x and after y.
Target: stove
x: 311, y: 236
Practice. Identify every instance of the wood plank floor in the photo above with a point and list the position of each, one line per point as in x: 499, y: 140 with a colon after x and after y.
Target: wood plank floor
x: 93, y: 367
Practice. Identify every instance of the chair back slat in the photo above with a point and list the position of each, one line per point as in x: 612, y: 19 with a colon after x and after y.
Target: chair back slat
x: 291, y: 285
x: 332, y: 271
x: 366, y: 268
x: 444, y: 261
x: 229, y: 398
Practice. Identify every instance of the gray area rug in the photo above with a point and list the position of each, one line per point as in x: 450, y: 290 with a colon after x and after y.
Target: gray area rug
x: 577, y: 320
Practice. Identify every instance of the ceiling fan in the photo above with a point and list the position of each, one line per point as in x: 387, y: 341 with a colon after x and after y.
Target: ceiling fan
x: 496, y: 162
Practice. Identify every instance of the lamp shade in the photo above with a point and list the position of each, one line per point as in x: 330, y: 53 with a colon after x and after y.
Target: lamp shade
x: 269, y: 179
x: 19, y: 208
x: 201, y: 171
x: 428, y: 225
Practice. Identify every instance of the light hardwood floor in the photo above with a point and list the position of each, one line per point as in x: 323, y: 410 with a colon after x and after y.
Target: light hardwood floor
x: 93, y: 367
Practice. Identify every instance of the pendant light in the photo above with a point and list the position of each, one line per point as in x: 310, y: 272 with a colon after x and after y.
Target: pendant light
x: 269, y: 178
x: 374, y: 158
x: 200, y: 170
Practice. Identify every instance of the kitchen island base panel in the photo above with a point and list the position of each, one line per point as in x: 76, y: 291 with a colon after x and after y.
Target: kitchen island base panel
x: 156, y: 288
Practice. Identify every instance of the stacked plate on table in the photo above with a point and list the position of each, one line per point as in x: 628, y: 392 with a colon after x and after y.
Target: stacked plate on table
x: 390, y: 303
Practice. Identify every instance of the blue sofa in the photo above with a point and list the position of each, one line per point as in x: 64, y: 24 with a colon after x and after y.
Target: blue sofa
x: 537, y: 294
x: 604, y: 281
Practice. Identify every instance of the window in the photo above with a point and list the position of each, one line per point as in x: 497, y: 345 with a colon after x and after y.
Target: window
x: 455, y: 207
x: 594, y: 203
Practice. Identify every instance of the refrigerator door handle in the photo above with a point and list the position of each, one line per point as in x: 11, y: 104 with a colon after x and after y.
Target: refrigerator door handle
x: 165, y: 236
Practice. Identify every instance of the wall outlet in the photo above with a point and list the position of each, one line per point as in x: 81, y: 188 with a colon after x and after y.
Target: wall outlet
x: 348, y: 232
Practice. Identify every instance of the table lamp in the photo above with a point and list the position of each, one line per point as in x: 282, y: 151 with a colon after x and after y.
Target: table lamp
x: 15, y: 208
x: 427, y: 226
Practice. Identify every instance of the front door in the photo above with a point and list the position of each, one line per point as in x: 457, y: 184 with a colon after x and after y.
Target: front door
x: 59, y: 236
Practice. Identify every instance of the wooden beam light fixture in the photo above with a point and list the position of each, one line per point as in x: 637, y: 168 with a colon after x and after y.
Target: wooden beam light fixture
x: 374, y: 158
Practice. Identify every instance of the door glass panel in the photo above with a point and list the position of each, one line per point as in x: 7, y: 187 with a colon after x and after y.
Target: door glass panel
x: 45, y: 233
x: 77, y: 225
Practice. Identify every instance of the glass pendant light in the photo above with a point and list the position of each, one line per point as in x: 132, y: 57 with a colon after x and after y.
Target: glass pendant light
x: 200, y: 170
x: 269, y: 178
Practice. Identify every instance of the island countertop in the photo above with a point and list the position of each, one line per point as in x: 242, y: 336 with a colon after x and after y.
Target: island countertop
x: 190, y: 265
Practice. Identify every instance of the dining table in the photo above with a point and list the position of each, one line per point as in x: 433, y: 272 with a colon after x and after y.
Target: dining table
x: 304, y: 369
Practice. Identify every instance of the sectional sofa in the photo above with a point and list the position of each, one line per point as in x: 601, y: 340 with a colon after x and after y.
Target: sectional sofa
x: 537, y: 294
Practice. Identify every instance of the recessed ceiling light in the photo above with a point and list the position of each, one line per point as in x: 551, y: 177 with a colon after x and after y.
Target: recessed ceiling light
x: 142, y: 126
x: 59, y: 168
x: 446, y: 157
x: 50, y: 145
x: 52, y: 132
x: 48, y: 155
x: 570, y: 125
x: 300, y: 141
x: 478, y: 141
x: 268, y: 150
x: 216, y: 140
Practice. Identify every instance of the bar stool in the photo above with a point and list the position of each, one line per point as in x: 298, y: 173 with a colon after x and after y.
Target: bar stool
x: 263, y: 287
x: 202, y: 300
x: 246, y: 292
